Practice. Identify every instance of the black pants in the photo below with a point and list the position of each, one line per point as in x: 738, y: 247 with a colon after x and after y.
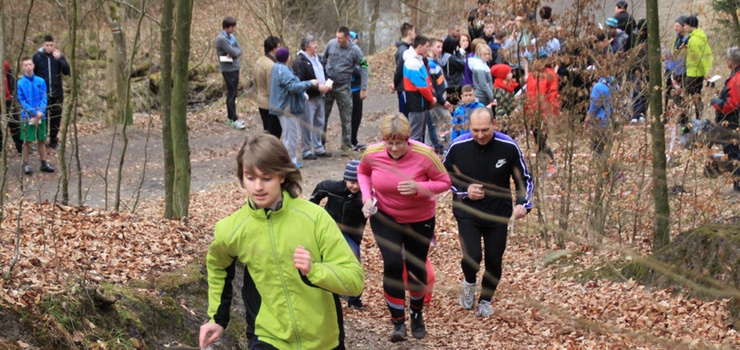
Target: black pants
x: 693, y: 87
x: 232, y: 82
x: 540, y: 137
x: 356, y: 116
x: 14, y: 126
x: 494, y: 241
x: 271, y: 123
x: 260, y: 345
x: 54, y: 114
x: 393, y: 239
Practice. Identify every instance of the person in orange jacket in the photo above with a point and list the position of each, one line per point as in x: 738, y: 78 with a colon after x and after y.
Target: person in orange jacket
x: 543, y: 100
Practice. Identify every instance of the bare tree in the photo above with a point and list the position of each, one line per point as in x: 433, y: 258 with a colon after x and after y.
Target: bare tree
x: 70, y: 113
x: 118, y: 108
x: 180, y: 145
x: 165, y: 99
x: 660, y: 182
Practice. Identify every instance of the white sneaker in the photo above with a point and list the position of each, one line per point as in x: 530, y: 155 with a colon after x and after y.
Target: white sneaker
x: 238, y: 125
x: 467, y: 298
x: 484, y: 308
x: 642, y: 119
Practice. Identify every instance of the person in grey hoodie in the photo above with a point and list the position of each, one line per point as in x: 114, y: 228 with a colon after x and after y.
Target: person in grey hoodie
x: 229, y: 53
x: 341, y: 57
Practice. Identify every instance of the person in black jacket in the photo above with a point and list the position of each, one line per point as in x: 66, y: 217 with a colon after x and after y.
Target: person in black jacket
x: 481, y: 164
x: 626, y: 23
x: 51, y: 65
x: 344, y: 205
x: 453, y: 67
x: 307, y: 66
x: 408, y: 34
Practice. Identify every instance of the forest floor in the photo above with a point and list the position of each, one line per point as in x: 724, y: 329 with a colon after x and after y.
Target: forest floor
x: 548, y: 298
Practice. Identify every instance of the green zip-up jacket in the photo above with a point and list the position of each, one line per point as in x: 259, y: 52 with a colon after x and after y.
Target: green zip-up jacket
x: 283, y: 307
x: 698, y: 54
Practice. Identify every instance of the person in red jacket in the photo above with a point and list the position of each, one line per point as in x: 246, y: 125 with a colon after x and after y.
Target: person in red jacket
x: 14, y: 122
x: 727, y: 104
x: 543, y: 101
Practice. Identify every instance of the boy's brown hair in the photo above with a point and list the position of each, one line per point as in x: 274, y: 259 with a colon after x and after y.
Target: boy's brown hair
x: 467, y: 88
x: 266, y: 153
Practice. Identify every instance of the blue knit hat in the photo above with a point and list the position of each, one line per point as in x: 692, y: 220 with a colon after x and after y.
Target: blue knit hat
x: 352, y: 35
x: 350, y: 170
x: 611, y: 22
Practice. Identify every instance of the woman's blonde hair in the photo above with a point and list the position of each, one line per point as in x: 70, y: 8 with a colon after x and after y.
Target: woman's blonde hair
x: 395, y: 127
x: 481, y: 49
x: 473, y: 47
x: 266, y: 153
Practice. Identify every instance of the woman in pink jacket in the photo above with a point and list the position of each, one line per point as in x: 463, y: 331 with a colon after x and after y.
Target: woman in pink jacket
x: 399, y: 179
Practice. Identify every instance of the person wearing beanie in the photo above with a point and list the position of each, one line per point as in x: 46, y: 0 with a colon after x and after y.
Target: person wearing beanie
x: 229, y: 60
x: 618, y: 38
x: 504, y: 87
x: 288, y: 101
x: 344, y: 205
x: 698, y: 62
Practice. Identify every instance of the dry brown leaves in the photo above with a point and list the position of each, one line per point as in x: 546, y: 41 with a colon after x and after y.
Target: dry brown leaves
x: 534, y: 309
x: 62, y: 246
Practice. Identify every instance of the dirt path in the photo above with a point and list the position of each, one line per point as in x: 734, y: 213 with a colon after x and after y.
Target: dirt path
x: 213, y: 149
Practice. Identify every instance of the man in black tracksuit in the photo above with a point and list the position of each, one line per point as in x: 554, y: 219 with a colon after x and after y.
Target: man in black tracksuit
x: 344, y: 205
x: 50, y: 65
x: 481, y: 164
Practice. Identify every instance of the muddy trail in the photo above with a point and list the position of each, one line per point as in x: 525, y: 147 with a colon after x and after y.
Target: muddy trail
x: 213, y: 148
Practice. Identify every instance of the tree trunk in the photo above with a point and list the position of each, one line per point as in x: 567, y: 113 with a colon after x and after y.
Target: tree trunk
x: 661, y: 224
x: 165, y: 96
x: 3, y: 113
x: 373, y: 26
x: 70, y: 111
x: 117, y: 67
x: 126, y: 106
x: 181, y: 148
x: 415, y: 13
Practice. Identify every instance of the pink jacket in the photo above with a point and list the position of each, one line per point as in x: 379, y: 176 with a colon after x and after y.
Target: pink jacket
x: 379, y: 172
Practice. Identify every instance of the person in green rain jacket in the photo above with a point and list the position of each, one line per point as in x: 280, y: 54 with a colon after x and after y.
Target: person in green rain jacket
x: 296, y: 261
x: 698, y: 61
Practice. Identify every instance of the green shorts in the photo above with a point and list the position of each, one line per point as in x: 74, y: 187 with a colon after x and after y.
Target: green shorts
x: 33, y: 133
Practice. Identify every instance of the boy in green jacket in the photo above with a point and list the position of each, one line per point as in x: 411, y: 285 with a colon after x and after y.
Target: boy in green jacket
x: 296, y: 260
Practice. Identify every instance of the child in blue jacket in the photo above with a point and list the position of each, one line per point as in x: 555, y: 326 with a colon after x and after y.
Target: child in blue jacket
x: 461, y: 117
x: 33, y: 100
